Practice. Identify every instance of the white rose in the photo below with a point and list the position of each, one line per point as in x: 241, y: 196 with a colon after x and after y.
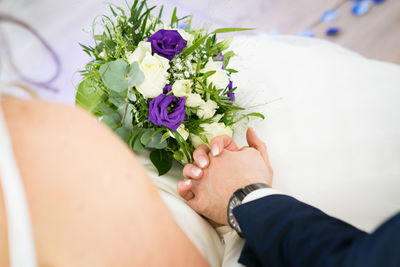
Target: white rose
x: 220, y: 78
x: 218, y: 117
x: 207, y: 109
x: 187, y: 37
x: 155, y: 70
x: 194, y: 100
x: 196, y: 141
x: 140, y: 52
x: 182, y: 88
x: 211, y: 130
x: 182, y: 131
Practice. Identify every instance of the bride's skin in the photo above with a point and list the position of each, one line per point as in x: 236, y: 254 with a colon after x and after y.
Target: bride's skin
x: 91, y: 202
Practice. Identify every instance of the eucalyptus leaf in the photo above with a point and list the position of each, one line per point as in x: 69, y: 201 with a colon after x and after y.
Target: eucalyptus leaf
x: 137, y: 145
x: 112, y: 120
x: 89, y: 96
x: 124, y: 133
x: 162, y: 160
x: 135, y: 76
x: 120, y: 76
x: 155, y: 141
x: 117, y: 99
x: 146, y: 137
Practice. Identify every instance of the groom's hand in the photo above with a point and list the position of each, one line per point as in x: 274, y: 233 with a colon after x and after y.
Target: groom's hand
x: 208, y: 192
x: 202, y: 161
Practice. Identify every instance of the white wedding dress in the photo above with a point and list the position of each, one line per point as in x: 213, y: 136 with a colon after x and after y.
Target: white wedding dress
x: 332, y: 128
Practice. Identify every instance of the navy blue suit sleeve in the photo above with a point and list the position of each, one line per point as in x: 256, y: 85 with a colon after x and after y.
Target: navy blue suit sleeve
x: 282, y: 231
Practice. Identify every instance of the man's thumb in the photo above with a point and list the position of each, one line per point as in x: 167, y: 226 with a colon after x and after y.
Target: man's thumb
x: 256, y: 143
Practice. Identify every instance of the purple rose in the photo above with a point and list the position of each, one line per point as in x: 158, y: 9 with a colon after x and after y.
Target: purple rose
x: 167, y: 43
x: 231, y: 94
x: 167, y: 110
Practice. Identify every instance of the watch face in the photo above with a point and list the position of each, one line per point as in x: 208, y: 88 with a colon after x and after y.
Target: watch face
x: 234, y: 202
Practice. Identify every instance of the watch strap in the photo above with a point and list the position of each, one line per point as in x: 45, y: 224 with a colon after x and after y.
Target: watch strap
x: 243, y: 192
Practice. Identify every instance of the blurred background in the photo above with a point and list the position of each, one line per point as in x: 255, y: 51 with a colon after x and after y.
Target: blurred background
x: 368, y: 27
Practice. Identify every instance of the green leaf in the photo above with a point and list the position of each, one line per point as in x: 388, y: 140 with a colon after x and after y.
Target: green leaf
x: 119, y: 76
x: 173, y: 18
x: 165, y: 137
x: 209, y: 73
x: 137, y: 146
x: 146, y: 137
x: 191, y: 49
x: 124, y: 133
x: 223, y: 45
x: 162, y: 160
x: 156, y: 142
x: 117, y: 99
x: 113, y: 75
x: 135, y: 75
x: 112, y: 120
x: 256, y: 114
x: 152, y: 139
x: 178, y: 155
x: 231, y: 70
x: 225, y: 30
x: 89, y: 95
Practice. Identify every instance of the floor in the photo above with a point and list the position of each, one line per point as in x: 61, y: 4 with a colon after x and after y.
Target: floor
x: 65, y: 23
x: 375, y: 35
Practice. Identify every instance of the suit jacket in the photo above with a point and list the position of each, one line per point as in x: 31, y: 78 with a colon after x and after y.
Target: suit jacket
x: 282, y: 231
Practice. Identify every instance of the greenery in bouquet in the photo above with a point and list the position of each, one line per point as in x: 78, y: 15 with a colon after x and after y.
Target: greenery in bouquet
x: 164, y: 87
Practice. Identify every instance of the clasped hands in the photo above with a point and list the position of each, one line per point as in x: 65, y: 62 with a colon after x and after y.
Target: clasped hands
x: 218, y: 172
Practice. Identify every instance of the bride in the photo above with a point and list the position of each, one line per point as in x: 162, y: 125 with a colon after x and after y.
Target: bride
x: 99, y: 212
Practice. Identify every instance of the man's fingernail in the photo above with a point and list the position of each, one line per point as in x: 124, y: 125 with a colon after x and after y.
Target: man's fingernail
x: 202, y: 162
x: 196, y: 171
x: 187, y: 182
x: 215, y: 150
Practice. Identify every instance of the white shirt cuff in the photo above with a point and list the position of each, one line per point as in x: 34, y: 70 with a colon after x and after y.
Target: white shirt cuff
x: 260, y: 193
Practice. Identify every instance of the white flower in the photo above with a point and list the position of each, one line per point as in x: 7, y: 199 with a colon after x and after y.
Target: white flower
x: 211, y: 130
x: 218, y: 117
x: 216, y: 129
x: 220, y: 78
x: 207, y: 109
x: 182, y: 131
x: 182, y: 88
x: 196, y: 140
x: 155, y: 70
x: 187, y: 37
x: 194, y: 100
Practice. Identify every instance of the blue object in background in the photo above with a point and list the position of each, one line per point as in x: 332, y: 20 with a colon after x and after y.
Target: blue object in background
x: 330, y: 15
x: 379, y: 1
x: 361, y: 8
x: 183, y: 26
x: 332, y: 31
x: 306, y: 33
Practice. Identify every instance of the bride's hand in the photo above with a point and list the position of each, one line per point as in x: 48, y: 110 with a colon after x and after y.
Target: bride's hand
x: 208, y: 190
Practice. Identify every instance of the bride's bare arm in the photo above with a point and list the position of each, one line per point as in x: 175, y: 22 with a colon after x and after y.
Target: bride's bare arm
x: 91, y: 202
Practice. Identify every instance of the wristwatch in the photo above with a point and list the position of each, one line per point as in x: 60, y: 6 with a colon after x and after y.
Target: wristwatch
x: 236, y: 200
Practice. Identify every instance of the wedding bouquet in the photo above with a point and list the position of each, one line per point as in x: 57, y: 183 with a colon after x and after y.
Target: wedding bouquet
x: 160, y: 86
